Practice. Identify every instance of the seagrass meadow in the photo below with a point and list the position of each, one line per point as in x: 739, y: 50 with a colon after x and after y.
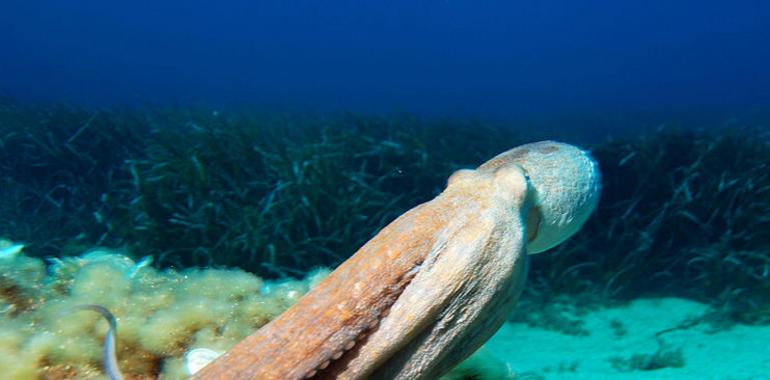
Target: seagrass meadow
x: 267, y: 200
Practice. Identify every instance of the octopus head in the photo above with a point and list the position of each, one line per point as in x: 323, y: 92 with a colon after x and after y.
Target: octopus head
x: 566, y: 182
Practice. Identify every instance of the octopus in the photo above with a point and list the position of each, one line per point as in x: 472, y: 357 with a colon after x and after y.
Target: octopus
x: 432, y: 286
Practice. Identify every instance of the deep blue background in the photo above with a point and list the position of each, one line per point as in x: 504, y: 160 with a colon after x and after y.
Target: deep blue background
x: 481, y: 58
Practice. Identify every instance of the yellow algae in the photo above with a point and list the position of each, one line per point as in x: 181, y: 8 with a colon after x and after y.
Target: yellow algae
x: 161, y: 314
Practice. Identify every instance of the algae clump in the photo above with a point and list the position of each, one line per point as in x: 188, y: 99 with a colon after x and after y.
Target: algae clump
x: 161, y: 313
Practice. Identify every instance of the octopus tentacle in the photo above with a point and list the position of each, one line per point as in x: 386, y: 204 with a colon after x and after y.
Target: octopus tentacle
x: 338, y: 311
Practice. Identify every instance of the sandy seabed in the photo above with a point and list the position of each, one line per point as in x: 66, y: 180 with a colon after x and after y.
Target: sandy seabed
x: 622, y: 344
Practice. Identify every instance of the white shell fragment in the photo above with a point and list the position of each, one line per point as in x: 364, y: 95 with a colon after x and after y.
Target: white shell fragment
x: 196, y: 359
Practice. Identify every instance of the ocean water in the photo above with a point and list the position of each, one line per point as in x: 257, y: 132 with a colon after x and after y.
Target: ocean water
x: 190, y: 170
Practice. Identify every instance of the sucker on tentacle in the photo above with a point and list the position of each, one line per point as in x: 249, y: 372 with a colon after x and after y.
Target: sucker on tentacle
x: 377, y: 317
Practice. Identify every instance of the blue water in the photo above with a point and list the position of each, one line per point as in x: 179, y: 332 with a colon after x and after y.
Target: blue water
x: 447, y: 58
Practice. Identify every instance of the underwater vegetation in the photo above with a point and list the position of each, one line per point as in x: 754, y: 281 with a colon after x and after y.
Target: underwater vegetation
x: 683, y: 212
x: 194, y: 188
